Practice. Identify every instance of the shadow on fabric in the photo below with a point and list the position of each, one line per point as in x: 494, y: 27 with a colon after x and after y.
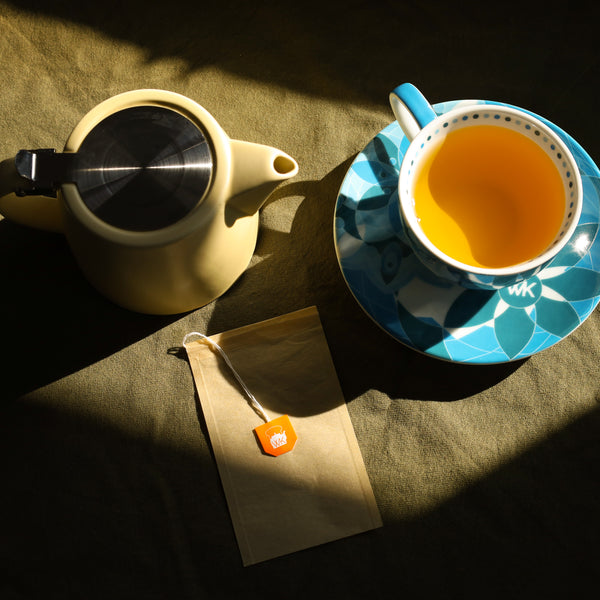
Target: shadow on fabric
x: 474, y: 52
x: 53, y: 321
x: 97, y: 512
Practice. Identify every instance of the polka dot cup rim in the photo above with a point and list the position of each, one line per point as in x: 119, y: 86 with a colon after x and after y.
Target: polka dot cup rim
x: 501, y: 116
x: 440, y: 318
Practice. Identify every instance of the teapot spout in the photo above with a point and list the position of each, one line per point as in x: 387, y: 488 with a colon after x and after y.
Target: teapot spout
x: 256, y: 171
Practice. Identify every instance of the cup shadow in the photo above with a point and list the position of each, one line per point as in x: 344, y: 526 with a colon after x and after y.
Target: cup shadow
x: 300, y: 268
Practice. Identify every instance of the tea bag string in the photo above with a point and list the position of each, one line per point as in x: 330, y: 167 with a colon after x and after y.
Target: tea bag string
x: 253, y: 401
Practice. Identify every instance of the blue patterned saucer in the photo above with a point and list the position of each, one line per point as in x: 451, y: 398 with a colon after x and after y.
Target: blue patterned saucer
x: 442, y: 319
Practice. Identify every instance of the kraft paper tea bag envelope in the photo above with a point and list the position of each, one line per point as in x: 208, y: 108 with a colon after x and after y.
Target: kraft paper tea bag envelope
x: 319, y: 491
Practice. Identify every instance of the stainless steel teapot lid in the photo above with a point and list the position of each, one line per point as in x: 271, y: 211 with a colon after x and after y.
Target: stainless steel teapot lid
x: 140, y: 169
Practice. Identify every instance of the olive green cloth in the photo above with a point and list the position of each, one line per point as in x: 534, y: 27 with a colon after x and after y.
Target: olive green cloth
x: 486, y: 478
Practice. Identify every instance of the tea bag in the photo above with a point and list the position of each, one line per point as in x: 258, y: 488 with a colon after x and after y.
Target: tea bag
x: 317, y: 492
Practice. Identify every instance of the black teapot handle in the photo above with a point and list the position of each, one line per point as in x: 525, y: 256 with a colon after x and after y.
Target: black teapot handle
x: 27, y: 196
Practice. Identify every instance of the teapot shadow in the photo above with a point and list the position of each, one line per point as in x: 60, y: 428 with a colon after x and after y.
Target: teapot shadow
x: 54, y: 322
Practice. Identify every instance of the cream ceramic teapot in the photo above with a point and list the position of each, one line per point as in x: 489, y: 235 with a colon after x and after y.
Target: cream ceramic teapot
x: 159, y: 206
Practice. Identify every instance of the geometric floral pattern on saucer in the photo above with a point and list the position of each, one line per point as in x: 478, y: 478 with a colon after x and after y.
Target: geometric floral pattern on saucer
x: 437, y: 317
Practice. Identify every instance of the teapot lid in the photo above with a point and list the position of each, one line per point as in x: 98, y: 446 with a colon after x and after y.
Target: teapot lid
x: 142, y: 168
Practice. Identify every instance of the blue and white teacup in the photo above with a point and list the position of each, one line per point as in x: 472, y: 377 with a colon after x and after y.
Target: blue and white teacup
x: 432, y: 163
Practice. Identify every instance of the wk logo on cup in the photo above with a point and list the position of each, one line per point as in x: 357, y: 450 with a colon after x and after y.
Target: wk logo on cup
x: 524, y: 288
x: 522, y: 294
x: 277, y: 436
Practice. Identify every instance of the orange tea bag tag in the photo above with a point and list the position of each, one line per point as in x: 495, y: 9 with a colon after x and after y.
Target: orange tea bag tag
x: 277, y: 436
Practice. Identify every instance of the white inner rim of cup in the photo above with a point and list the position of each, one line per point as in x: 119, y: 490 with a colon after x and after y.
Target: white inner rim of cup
x: 500, y: 116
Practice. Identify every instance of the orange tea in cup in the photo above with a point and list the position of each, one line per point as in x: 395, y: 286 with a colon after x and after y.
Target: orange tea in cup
x: 489, y: 196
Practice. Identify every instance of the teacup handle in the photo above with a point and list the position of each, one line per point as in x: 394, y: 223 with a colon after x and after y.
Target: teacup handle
x: 411, y: 109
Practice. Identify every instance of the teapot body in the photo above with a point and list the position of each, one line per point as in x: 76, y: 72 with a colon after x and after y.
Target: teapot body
x: 176, y: 268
